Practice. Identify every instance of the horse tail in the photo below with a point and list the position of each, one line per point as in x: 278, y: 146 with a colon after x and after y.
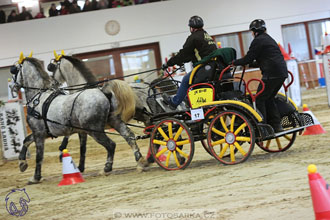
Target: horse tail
x: 125, y: 98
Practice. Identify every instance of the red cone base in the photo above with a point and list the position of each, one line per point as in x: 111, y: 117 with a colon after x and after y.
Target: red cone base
x: 71, y: 178
x: 314, y: 129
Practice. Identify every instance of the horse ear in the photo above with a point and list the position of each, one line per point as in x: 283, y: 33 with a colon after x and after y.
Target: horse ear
x: 62, y: 52
x: 30, y: 54
x: 21, y: 58
x: 56, y: 56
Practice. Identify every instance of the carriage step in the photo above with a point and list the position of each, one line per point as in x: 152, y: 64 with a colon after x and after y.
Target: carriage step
x: 290, y: 131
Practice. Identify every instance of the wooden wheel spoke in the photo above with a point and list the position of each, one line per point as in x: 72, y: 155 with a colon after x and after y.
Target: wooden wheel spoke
x: 218, y: 132
x: 224, y: 149
x: 279, y: 145
x: 178, y: 133
x: 240, y: 149
x: 287, y: 137
x: 170, y: 132
x: 247, y: 139
x: 179, y: 143
x: 218, y: 142
x: 168, y: 158
x: 232, y: 123
x: 232, y: 153
x: 240, y: 128
x: 159, y: 142
x: 176, y: 159
x: 161, y: 131
x: 182, y: 153
x: 223, y: 124
x: 268, y: 143
x: 161, y: 152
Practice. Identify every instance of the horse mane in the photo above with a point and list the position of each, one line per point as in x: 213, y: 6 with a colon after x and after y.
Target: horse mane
x: 82, y: 68
x: 40, y: 68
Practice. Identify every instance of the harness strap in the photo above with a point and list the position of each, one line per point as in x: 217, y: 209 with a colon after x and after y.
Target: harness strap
x: 45, y: 108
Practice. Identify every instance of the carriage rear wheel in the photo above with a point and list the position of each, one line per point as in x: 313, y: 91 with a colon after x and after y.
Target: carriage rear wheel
x: 231, y: 137
x: 172, y: 144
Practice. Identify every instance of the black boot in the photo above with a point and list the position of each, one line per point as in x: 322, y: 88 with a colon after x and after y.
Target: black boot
x: 168, y: 101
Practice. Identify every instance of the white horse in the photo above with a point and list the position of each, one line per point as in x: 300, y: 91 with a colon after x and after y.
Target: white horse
x: 54, y: 114
x: 124, y: 102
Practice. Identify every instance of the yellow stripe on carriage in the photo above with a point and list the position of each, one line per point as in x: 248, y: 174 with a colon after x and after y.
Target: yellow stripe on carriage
x: 294, y: 104
x: 193, y: 73
x: 246, y: 106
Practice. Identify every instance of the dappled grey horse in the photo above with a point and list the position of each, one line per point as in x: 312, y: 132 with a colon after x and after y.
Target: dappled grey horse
x: 123, y: 105
x: 53, y: 114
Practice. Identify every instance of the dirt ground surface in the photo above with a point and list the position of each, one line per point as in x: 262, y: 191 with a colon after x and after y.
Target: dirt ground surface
x: 266, y: 186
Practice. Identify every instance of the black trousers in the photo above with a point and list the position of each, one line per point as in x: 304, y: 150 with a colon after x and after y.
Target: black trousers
x: 266, y: 101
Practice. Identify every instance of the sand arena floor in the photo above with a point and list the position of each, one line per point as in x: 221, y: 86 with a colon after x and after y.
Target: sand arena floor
x: 266, y: 186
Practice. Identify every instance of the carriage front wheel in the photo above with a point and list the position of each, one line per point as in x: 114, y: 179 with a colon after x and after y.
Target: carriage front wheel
x: 172, y: 144
x: 231, y: 133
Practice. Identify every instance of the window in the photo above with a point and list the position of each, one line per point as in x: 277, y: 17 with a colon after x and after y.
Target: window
x: 240, y: 41
x: 305, y: 37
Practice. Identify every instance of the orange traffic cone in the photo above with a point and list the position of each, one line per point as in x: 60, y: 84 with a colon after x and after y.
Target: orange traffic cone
x: 320, y: 192
x: 316, y: 128
x: 71, y: 174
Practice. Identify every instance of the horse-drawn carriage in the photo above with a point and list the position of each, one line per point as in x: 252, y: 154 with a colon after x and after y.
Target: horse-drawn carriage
x: 219, y: 111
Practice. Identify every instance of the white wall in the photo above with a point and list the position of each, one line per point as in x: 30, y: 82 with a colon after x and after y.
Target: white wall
x: 163, y: 22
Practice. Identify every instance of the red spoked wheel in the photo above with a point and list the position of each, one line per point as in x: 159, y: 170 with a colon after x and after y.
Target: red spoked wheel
x: 231, y: 137
x: 278, y: 144
x: 172, y: 144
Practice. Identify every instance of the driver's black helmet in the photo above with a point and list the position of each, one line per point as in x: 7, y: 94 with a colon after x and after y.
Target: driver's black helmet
x: 196, y: 22
x: 258, y: 25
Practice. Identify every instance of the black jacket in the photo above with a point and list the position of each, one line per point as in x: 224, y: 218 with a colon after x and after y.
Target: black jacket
x: 267, y: 53
x: 198, y: 45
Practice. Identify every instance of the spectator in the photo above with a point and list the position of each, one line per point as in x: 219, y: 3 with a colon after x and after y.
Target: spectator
x: 127, y: 2
x: 2, y: 17
x: 53, y: 11
x: 94, y: 5
x: 74, y: 8
x: 40, y: 14
x: 12, y: 16
x: 102, y: 4
x: 64, y: 10
x: 88, y: 6
x: 25, y: 15
x: 141, y: 1
x: 116, y: 3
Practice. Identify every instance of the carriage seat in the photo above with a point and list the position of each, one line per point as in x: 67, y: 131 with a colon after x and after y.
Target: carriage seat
x: 209, y: 68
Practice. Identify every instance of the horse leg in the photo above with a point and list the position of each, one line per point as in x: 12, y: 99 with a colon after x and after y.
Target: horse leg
x: 109, y: 145
x: 129, y: 136
x: 83, y: 140
x: 63, y: 146
x: 40, y: 142
x: 23, y: 165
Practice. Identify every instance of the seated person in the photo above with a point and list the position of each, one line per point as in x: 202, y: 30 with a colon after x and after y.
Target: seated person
x: 197, y: 46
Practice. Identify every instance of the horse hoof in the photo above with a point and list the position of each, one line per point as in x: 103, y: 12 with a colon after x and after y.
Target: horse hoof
x: 81, y: 168
x: 34, y: 181
x: 23, y: 166
x: 143, y: 163
x: 108, y: 167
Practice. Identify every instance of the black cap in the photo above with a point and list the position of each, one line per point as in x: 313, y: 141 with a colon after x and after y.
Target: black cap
x: 258, y: 25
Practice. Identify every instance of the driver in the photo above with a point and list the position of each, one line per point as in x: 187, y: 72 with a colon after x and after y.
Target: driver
x: 268, y: 56
x: 198, y: 45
